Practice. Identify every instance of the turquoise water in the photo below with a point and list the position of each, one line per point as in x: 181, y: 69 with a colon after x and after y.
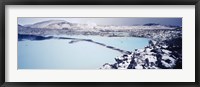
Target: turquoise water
x: 59, y: 54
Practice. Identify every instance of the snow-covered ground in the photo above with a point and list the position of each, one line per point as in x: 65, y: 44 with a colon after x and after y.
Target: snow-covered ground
x: 157, y: 55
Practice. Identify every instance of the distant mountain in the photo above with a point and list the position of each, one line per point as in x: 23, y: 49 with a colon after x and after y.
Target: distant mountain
x: 62, y: 24
x: 21, y: 27
x: 51, y: 24
x: 155, y: 24
x: 151, y: 24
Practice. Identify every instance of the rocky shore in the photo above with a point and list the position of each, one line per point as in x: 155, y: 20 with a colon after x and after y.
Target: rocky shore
x: 163, y: 52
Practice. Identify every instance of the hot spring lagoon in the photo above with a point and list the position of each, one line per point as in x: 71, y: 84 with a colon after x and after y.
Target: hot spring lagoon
x: 74, y: 54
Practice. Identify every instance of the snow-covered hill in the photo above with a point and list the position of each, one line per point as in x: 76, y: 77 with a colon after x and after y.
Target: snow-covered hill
x: 51, y: 24
x: 62, y: 24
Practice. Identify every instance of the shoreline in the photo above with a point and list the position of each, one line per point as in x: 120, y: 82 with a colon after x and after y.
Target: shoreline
x: 21, y: 37
x: 164, y: 52
x: 154, y: 56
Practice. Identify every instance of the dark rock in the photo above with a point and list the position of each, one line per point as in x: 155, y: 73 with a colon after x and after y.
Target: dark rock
x: 168, y: 61
x: 132, y: 64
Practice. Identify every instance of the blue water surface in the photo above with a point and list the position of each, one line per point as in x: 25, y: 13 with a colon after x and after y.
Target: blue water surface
x: 59, y: 54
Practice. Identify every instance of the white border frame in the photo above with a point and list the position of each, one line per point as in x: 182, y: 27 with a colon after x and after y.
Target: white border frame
x: 187, y: 74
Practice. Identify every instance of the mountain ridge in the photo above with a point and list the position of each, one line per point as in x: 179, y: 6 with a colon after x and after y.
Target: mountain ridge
x: 62, y: 24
